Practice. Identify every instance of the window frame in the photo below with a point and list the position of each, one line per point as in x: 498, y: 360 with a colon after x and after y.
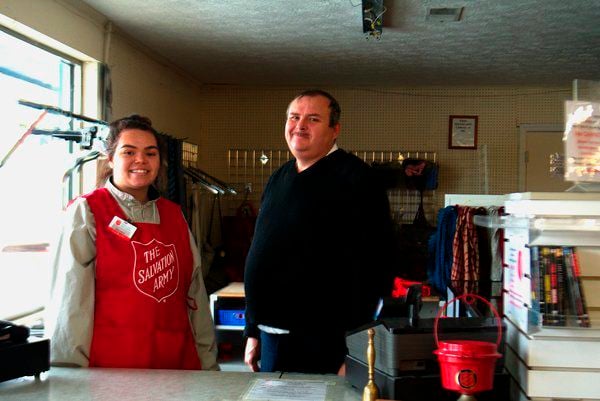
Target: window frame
x: 71, y: 99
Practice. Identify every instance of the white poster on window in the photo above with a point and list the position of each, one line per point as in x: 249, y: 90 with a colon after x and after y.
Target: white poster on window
x: 582, y: 141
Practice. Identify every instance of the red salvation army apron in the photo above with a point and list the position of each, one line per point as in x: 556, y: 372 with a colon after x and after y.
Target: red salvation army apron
x: 141, y: 311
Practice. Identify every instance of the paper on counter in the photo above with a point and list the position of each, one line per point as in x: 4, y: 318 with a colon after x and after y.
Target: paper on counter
x: 287, y: 390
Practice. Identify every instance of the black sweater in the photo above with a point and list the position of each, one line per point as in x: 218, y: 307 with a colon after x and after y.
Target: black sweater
x: 319, y: 259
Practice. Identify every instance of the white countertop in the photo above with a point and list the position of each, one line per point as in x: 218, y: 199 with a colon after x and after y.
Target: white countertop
x: 78, y: 384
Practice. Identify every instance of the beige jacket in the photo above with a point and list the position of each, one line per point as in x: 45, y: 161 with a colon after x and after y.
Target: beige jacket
x: 69, y: 319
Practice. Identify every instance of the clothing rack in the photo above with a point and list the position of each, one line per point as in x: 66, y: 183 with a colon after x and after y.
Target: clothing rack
x: 207, y: 181
x: 204, y: 194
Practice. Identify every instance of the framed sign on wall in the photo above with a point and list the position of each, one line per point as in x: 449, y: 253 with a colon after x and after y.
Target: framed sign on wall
x: 462, y: 132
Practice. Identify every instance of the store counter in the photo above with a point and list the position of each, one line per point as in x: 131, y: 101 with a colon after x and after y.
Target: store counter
x: 77, y: 384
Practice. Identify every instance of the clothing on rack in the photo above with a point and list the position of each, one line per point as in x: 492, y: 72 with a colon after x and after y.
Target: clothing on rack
x: 496, y: 247
x: 496, y: 252
x: 440, y: 249
x: 465, y: 262
x: 208, y: 224
x: 459, y: 253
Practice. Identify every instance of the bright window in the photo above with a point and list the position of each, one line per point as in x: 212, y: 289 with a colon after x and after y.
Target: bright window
x: 31, y: 175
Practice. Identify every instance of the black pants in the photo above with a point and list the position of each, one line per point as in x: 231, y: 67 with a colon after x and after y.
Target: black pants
x: 302, y: 352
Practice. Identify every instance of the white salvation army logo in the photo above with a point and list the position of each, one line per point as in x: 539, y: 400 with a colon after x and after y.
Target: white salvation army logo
x: 156, y: 269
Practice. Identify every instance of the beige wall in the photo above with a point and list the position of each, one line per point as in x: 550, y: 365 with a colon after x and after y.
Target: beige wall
x: 68, y: 22
x: 220, y: 118
x: 143, y: 86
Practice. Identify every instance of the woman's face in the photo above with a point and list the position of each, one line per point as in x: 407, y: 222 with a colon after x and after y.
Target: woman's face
x: 135, y: 162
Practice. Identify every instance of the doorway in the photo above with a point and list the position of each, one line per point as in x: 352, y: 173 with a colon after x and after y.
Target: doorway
x: 537, y: 142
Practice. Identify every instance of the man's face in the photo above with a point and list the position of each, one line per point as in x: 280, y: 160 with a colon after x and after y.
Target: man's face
x: 307, y: 129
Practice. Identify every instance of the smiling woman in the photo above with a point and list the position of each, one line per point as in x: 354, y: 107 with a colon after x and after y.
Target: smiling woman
x: 125, y: 249
x: 135, y: 162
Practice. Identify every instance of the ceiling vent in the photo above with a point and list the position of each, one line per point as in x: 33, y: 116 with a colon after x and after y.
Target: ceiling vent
x: 443, y: 14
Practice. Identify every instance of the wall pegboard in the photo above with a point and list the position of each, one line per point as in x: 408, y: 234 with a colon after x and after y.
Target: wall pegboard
x: 391, y: 119
x: 248, y: 171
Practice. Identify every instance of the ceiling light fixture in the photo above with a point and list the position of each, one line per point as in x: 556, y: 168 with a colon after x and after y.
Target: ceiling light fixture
x: 372, y: 12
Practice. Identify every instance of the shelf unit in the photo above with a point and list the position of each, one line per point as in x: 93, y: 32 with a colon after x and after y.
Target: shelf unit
x: 231, y: 297
x: 550, y: 362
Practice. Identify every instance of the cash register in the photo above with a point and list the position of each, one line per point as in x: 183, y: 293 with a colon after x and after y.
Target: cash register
x: 20, y: 353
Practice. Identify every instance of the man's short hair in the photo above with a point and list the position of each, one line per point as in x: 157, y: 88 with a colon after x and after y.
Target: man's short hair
x: 334, y: 107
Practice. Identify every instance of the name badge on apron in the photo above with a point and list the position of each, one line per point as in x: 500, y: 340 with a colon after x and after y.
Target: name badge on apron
x: 122, y: 227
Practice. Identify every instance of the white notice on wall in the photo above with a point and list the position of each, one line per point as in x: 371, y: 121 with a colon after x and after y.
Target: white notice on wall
x: 582, y: 136
x: 287, y: 390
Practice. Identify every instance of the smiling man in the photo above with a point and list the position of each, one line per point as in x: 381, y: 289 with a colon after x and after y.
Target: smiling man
x: 311, y: 129
x: 319, y: 260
